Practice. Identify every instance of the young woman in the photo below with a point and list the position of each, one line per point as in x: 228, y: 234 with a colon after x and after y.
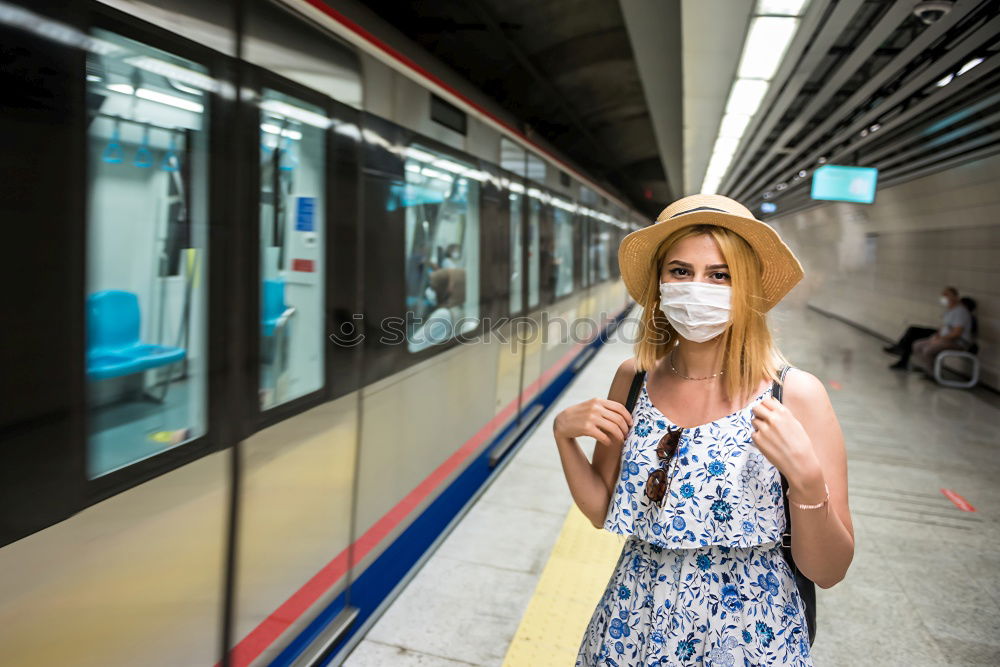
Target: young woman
x: 692, y: 476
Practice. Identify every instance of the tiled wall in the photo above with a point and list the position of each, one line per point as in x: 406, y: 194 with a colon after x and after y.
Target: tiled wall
x: 883, y: 265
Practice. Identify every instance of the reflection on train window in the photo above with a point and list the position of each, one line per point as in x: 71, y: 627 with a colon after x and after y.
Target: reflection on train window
x: 536, y: 168
x: 147, y: 240
x: 600, y: 248
x: 584, y: 222
x: 516, y: 246
x: 292, y: 178
x: 563, y: 256
x: 512, y: 157
x: 441, y: 197
x: 534, y: 248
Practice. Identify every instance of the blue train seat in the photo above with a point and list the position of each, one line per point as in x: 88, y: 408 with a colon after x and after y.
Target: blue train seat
x: 274, y: 311
x: 114, y: 348
x: 273, y: 307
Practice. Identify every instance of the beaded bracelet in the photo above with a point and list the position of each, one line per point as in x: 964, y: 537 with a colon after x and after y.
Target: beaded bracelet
x: 811, y: 507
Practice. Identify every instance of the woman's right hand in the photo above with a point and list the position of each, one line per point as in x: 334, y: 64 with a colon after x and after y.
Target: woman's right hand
x: 605, y: 420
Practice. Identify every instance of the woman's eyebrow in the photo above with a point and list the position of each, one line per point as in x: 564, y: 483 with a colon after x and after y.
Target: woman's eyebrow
x: 708, y: 267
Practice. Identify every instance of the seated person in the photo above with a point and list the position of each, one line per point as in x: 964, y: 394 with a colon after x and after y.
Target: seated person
x: 904, y: 346
x: 970, y: 305
x: 954, y: 334
x: 452, y: 258
x: 446, y: 293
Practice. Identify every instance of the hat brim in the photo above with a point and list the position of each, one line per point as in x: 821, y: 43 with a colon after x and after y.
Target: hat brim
x: 781, y: 270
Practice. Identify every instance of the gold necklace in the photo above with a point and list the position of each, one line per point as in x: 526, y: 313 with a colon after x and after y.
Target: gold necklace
x: 676, y: 372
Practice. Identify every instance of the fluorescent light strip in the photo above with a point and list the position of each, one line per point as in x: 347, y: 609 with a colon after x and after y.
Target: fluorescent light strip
x: 296, y: 113
x: 781, y: 7
x: 171, y: 71
x: 433, y: 173
x: 766, y: 44
x: 969, y: 65
x: 733, y: 125
x: 274, y: 129
x: 163, y: 98
x: 771, y: 31
x: 746, y: 96
x: 154, y: 96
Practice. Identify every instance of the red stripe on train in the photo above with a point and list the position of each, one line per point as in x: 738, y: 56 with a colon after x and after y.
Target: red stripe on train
x: 274, y: 625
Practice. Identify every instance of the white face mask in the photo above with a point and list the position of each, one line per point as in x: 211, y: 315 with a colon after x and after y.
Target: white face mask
x: 943, y: 300
x: 698, y: 311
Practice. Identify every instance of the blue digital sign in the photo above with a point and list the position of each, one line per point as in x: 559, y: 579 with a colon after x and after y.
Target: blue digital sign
x: 305, y: 214
x: 837, y: 183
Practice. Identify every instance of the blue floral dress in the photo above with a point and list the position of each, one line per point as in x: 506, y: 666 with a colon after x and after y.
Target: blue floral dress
x: 702, y: 580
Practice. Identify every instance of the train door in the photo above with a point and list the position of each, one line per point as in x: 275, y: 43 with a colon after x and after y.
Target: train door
x: 115, y: 513
x: 297, y: 462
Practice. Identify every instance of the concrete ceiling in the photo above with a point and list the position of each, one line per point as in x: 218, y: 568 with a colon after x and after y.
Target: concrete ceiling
x: 714, y: 32
x: 652, y: 25
x: 634, y: 90
x: 566, y: 68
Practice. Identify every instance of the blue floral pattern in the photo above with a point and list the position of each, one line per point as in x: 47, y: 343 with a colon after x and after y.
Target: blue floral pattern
x: 702, y: 580
x: 719, y: 483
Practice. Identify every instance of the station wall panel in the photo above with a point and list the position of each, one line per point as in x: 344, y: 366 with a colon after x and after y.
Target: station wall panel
x: 883, y: 265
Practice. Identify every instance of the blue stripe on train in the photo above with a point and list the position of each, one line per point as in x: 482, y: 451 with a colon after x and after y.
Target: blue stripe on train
x: 378, y: 580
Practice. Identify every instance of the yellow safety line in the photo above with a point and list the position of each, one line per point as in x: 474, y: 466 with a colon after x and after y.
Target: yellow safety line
x: 572, y: 582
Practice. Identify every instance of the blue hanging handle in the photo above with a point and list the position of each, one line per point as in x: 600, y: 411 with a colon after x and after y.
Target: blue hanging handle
x: 113, y: 153
x: 171, y: 162
x: 144, y: 156
x: 288, y: 161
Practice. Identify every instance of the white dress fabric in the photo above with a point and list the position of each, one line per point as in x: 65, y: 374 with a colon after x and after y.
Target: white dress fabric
x: 702, y: 580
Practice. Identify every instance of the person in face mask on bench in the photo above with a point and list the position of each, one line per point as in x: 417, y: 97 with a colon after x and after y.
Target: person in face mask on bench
x: 955, y: 332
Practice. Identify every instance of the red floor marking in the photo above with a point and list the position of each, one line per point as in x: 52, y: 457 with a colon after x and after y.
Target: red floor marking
x: 834, y: 384
x: 265, y: 634
x: 960, y: 502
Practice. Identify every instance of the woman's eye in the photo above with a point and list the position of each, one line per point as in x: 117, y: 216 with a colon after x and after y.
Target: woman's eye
x: 674, y: 271
x: 724, y: 276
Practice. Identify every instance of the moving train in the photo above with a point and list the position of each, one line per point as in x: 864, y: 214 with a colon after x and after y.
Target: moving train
x: 285, y: 295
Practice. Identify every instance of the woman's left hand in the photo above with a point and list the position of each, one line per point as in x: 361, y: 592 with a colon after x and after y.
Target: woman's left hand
x: 782, y: 439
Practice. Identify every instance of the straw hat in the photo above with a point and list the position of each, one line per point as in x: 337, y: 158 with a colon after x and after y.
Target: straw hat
x: 781, y: 268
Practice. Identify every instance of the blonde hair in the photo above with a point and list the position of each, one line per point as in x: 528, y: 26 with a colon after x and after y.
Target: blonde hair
x: 749, y: 350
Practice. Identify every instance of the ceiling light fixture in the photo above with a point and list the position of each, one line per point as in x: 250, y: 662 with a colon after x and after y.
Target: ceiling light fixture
x: 176, y: 72
x: 772, y: 28
x: 969, y: 65
x: 286, y: 110
x: 156, y: 96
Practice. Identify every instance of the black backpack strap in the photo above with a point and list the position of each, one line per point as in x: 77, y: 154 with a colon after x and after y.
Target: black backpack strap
x: 806, y: 588
x: 786, y: 538
x: 775, y: 387
x: 633, y: 392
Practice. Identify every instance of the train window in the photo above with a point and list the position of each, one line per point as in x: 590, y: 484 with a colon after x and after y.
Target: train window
x: 512, y: 157
x: 600, y: 250
x: 563, y: 256
x: 536, y: 168
x: 584, y: 223
x: 292, y: 180
x: 442, y: 247
x: 534, y: 250
x: 516, y: 248
x: 147, y: 252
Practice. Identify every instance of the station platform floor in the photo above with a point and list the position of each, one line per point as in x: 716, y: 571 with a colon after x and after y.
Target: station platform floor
x: 517, y: 580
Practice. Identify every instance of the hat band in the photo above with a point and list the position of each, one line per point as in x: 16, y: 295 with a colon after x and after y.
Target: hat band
x: 700, y: 208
